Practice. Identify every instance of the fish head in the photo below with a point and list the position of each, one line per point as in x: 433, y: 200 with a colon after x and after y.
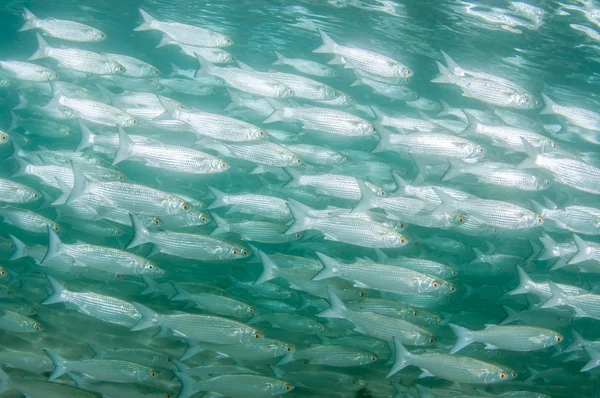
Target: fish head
x: 278, y: 387
x: 114, y: 231
x: 547, y: 339
x: 524, y: 100
x: 4, y: 82
x: 96, y: 35
x: 116, y: 68
x: 318, y: 328
x: 30, y: 326
x: 65, y: 131
x: 540, y: 183
x: 498, y: 376
x: 175, y: 205
x: 152, y: 71
x: 338, y: 158
x: 54, y: 226
x: 195, y: 218
x: 51, y: 75
x: 148, y: 268
x: 477, y: 151
x: 129, y: 120
x: 283, y: 91
x: 144, y: 373
x: 221, y: 41
x: 255, y: 133
x: 364, y: 357
x: 532, y: 220
x: 328, y: 92
x: 402, y: 71
x: 28, y: 195
x: 423, y: 339
x: 219, y: 165
x: 394, y: 239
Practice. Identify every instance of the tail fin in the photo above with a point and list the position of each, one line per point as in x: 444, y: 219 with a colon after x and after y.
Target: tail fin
x: 384, y: 142
x: 548, y: 105
x: 4, y: 381
x: 279, y: 111
x: 98, y: 352
x: 126, y: 147
x: 294, y: 178
x: 445, y: 76
x: 511, y: 315
x: 219, y: 198
x: 20, y: 249
x: 452, y: 66
x: 222, y: 225
x: 188, y: 385
x: 30, y: 20
x: 524, y: 282
x: 280, y: 59
x: 182, y: 367
x: 401, y: 358
x: 471, y: 128
x: 151, y: 286
x: 80, y: 382
x: 80, y: 183
x: 330, y: 267
x: 164, y: 41
x: 446, y: 109
x: 401, y: 184
x: 549, y: 245
x: 87, y: 137
x: 368, y: 198
x: 456, y: 167
x: 57, y: 292
x: 337, y: 309
x: 60, y: 365
x: 42, y: 51
x: 269, y: 268
x: 532, y: 153
x: 557, y: 299
x: 180, y: 294
x: 577, y: 344
x: 205, y: 66
x: 464, y: 337
x: 23, y: 103
x: 537, y: 207
x: 170, y: 108
x: 147, y: 24
x: 448, y: 205
x: 65, y: 193
x: 328, y: 46
x: 582, y: 251
x: 140, y: 232
x: 14, y: 121
x: 594, y: 359
x: 55, y: 246
x: 379, y: 115
x: 235, y: 100
x: 301, y: 218
x: 149, y: 318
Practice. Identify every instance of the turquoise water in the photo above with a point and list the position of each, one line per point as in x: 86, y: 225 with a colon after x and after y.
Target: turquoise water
x: 219, y: 256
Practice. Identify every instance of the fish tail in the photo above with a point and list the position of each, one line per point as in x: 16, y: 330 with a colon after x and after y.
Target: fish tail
x: 57, y: 292
x: 14, y: 121
x: 384, y: 142
x: 445, y: 76
x: 55, y: 246
x: 65, y: 193
x: 533, y: 374
x: 87, y: 137
x: 548, y: 105
x: 192, y: 350
x: 140, y: 232
x: 287, y: 358
x: 30, y: 20
x: 532, y: 152
x: 549, y: 245
x: 368, y: 198
x: 339, y: 60
x: 188, y: 385
x: 446, y: 109
x: 328, y: 46
x: 401, y: 358
x: 400, y: 182
x: 80, y: 184
x: 511, y: 315
x: 151, y: 286
x: 582, y: 249
x: 149, y: 317
x: 464, y: 337
x: 80, y: 382
x: 20, y: 249
x: 106, y: 95
x: 126, y: 147
x: 577, y: 344
x: 336, y: 309
x: 594, y: 359
x: 557, y: 299
x: 448, y: 205
x: 330, y: 267
x: 205, y: 66
x: 60, y: 365
x: 42, y: 51
x: 180, y: 294
x: 23, y: 103
x: 455, y: 168
x: 301, y: 218
x: 148, y: 20
x: 269, y: 269
x: 169, y: 109
x: 164, y: 41
x: 219, y: 196
x: 222, y: 225
x: 471, y: 128
x: 182, y: 367
x: 280, y: 59
x: 4, y: 381
x: 236, y: 100
x: 98, y: 352
x: 524, y: 281
x: 22, y: 163
x: 450, y: 64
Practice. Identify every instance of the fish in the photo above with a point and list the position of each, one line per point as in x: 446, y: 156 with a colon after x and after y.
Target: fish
x: 514, y: 338
x: 247, y: 384
x: 305, y: 66
x: 62, y: 29
x: 331, y: 355
x: 27, y: 71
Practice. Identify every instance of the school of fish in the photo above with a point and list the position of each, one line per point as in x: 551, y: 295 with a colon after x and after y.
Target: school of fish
x: 302, y: 240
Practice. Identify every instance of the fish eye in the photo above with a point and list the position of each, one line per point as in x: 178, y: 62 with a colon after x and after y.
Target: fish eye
x: 288, y: 387
x: 297, y: 235
x: 35, y: 195
x: 11, y: 245
x: 436, y: 284
x: 257, y: 336
x: 223, y: 165
x: 235, y: 252
x: 2, y: 272
x: 168, y: 396
x: 537, y: 102
x: 31, y: 311
x: 261, y: 132
x: 452, y: 289
x: 513, y: 374
x: 353, y: 381
x: 156, y: 221
x: 9, y: 292
x: 250, y: 309
x: 185, y: 206
x: 382, y: 193
x: 362, y: 293
x: 153, y: 374
x: 324, y: 328
x: 558, y: 338
x: 526, y: 99
x: 228, y: 40
x: 37, y: 327
x: 203, y: 218
x: 553, y: 144
x: 134, y: 120
x: 3, y: 137
x: 403, y: 240
x: 373, y: 358
x: 102, y: 35
x: 431, y: 340
x: 155, y: 72
x: 288, y: 348
x: 150, y: 267
x: 502, y: 375
x: 244, y: 252
x: 460, y: 219
x: 540, y: 219
x: 121, y: 177
x: 415, y: 313
x: 118, y: 276
x: 297, y: 160
x: 55, y: 227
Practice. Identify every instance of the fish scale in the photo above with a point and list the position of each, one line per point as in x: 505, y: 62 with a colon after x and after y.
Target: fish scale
x: 97, y: 112
x: 330, y: 121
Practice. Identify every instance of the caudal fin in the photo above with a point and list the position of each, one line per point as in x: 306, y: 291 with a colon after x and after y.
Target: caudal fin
x: 149, y: 318
x: 385, y: 136
x: 550, y: 245
x: 577, y: 344
x: 452, y: 66
x: 302, y: 220
x: 368, y: 198
x: 126, y: 147
x: 511, y: 315
x: 328, y: 46
x: 464, y: 337
x: 222, y: 225
x: 58, y: 291
x: 532, y: 153
x: 205, y: 66
x: 557, y: 299
x: 330, y: 267
x: 456, y: 168
x: 269, y: 268
x: 30, y: 20
x: 336, y: 309
x: 280, y: 59
x: 188, y: 385
x: 471, y: 128
x: 594, y: 359
x: 80, y: 183
x: 60, y: 365
x: 524, y: 283
x: 445, y: 76
x: 20, y: 249
x: 448, y: 205
x: 147, y: 24
x: 87, y: 137
x: 140, y: 232
x: 42, y: 51
x: 55, y: 246
x: 287, y: 358
x: 582, y: 251
x: 548, y: 105
x: 401, y: 358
